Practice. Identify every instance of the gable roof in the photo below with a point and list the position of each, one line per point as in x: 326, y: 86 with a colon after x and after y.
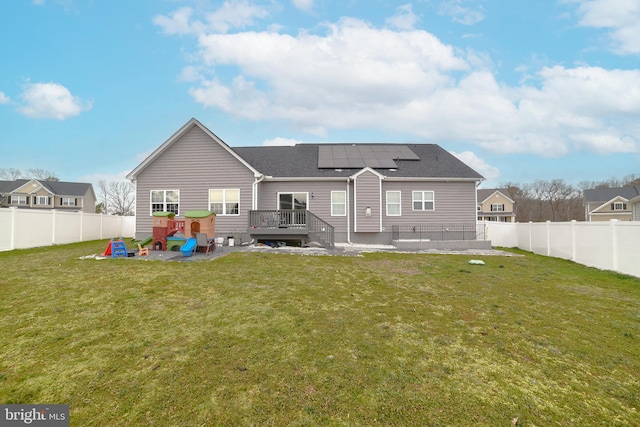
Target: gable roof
x: 302, y: 160
x: 605, y: 205
x: 59, y: 188
x: 603, y: 194
x: 486, y: 193
x: 418, y: 161
x: 175, y: 137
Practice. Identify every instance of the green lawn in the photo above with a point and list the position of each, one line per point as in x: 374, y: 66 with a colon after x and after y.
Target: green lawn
x: 274, y: 339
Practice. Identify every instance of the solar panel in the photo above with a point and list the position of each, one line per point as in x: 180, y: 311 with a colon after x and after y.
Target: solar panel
x: 376, y: 156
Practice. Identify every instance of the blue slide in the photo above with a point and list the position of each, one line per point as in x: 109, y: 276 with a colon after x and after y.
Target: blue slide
x: 189, y: 247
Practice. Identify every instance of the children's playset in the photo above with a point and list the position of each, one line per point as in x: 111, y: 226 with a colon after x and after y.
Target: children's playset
x: 170, y: 234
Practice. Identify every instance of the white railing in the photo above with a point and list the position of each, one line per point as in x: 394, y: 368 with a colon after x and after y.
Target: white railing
x: 29, y: 228
x: 611, y: 245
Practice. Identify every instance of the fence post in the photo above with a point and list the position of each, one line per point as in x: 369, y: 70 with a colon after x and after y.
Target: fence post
x: 548, y: 238
x: 614, y: 245
x: 12, y: 243
x: 573, y: 240
x: 81, y: 226
x: 530, y: 236
x: 53, y: 226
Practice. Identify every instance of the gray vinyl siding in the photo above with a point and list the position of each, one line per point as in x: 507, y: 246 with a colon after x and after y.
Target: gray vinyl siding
x: 194, y: 164
x: 367, y: 195
x: 319, y: 201
x: 454, y: 203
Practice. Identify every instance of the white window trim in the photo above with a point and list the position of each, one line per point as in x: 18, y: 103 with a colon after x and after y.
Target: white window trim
x: 618, y: 206
x: 499, y: 207
x: 22, y: 200
x: 224, y: 201
x: 65, y: 201
x: 39, y: 199
x: 399, y: 202
x: 433, y: 200
x: 344, y: 193
x: 164, y: 202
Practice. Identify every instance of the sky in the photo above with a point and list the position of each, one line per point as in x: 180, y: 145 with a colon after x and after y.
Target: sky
x: 519, y: 90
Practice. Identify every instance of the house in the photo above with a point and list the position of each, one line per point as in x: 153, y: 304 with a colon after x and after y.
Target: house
x: 359, y: 193
x: 604, y: 204
x: 495, y: 205
x: 41, y: 194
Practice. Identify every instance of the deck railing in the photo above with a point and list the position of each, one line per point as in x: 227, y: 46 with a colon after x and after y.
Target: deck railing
x: 284, y: 218
x: 320, y: 230
x: 293, y: 219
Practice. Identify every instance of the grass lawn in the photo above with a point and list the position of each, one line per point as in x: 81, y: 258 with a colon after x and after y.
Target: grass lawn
x: 272, y: 339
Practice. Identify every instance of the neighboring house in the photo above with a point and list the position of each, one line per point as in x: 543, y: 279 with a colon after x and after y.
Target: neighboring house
x: 358, y: 193
x: 495, y: 205
x: 40, y: 194
x: 604, y: 204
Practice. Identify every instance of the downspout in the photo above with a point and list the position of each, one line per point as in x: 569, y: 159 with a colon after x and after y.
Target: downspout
x: 348, y: 215
x: 254, y: 201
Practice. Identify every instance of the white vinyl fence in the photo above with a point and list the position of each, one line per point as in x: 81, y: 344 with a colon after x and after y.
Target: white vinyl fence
x: 29, y: 228
x: 611, y: 245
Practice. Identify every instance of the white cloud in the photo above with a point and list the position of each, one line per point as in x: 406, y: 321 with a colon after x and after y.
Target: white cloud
x: 479, y: 165
x: 459, y: 11
x: 357, y: 76
x: 38, y: 2
x: 4, y: 99
x: 50, y: 101
x: 179, y: 22
x: 405, y: 19
x: 279, y: 141
x: 231, y: 15
x: 620, y: 17
x: 304, y: 5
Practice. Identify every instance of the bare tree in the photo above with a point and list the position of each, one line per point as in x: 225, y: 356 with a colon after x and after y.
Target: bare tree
x: 42, y: 174
x: 559, y: 194
x: 103, y: 194
x: 118, y: 197
x: 10, y: 174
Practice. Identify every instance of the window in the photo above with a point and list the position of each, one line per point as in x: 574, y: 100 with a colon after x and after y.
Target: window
x: 618, y: 206
x: 292, y: 200
x: 42, y: 200
x: 394, y: 203
x: 68, y: 201
x: 18, y: 200
x: 165, y: 201
x: 224, y: 202
x: 423, y: 201
x: 497, y: 207
x: 338, y: 203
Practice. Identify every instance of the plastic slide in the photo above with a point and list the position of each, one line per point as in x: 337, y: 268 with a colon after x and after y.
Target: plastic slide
x: 146, y: 241
x: 107, y: 251
x: 189, y: 247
